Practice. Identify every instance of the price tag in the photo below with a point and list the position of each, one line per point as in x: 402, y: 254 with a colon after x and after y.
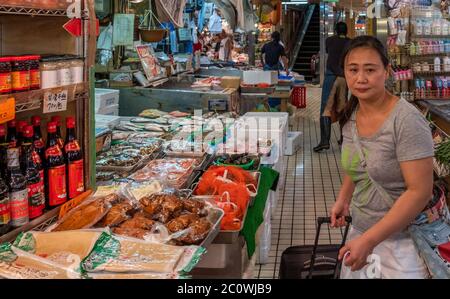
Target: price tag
x: 7, y: 110
x: 55, y: 102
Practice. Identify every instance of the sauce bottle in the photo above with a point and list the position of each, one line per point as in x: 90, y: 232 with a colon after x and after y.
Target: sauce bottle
x: 5, y: 213
x: 12, y: 134
x: 19, y: 128
x: 55, y: 174
x: 18, y: 192
x: 57, y: 119
x: 3, y: 148
x: 30, y: 168
x: 38, y: 142
x: 74, y: 158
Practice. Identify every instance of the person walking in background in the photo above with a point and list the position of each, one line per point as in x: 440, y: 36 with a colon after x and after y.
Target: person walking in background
x: 226, y: 47
x: 272, y: 52
x: 335, y: 46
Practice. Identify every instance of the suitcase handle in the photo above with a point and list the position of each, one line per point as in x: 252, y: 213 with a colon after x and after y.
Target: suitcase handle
x: 320, y: 221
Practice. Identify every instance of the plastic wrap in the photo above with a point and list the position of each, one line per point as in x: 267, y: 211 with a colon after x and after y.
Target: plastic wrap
x: 171, y: 172
x: 265, y: 240
x: 66, y: 248
x: 18, y: 264
x: 121, y: 254
x: 92, y: 210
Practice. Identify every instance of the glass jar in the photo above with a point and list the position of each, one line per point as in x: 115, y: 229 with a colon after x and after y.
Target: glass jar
x: 20, y: 73
x: 77, y: 70
x: 50, y: 74
x: 64, y: 72
x: 5, y: 75
x: 35, y: 75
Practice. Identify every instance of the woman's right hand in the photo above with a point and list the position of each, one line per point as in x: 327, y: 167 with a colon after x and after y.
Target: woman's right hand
x: 340, y: 209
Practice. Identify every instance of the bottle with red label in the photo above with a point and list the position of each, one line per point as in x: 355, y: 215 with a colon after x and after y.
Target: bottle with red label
x: 55, y: 174
x: 3, y: 147
x: 57, y: 119
x: 35, y: 182
x: 74, y: 158
x: 18, y: 191
x: 5, y: 214
x: 38, y: 142
x: 12, y: 134
x: 21, y: 124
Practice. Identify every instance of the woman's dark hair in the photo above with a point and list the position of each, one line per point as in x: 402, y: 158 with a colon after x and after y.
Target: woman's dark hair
x: 276, y: 36
x: 364, y: 41
x: 341, y: 28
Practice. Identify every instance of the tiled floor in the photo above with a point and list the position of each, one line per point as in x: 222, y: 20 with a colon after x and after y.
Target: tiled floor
x: 312, y: 184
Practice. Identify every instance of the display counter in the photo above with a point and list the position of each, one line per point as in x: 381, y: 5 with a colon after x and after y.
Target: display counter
x: 176, y: 95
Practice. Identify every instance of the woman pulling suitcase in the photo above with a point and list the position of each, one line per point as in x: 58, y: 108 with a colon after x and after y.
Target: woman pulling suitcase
x: 387, y: 157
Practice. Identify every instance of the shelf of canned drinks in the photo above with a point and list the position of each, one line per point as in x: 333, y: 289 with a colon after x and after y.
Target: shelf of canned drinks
x: 33, y: 99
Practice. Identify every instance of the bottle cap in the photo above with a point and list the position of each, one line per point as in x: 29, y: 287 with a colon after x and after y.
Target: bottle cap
x: 12, y: 123
x: 57, y: 120
x: 36, y: 120
x: 28, y: 131
x: 51, y: 127
x: 20, y: 125
x: 70, y: 122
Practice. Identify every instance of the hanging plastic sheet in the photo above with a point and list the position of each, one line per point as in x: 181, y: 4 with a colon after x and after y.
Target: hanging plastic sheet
x: 215, y: 23
x: 171, y: 11
x: 201, y: 17
x: 228, y: 11
x: 250, y: 17
x: 239, y: 7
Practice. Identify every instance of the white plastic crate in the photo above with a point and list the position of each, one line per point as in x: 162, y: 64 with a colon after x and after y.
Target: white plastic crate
x: 106, y: 98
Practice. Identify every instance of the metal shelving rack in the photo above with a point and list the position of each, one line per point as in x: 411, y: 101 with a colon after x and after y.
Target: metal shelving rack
x: 79, y: 94
x: 18, y: 10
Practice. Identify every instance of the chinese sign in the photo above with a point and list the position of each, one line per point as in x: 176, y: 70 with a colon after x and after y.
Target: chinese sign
x: 55, y: 101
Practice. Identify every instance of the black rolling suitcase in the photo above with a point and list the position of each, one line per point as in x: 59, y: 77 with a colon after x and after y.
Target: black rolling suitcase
x: 296, y: 260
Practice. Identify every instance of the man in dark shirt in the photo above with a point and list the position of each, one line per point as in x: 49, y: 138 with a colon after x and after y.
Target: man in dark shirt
x: 272, y: 52
x: 335, y: 46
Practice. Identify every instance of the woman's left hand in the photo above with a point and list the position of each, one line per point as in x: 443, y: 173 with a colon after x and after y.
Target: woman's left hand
x: 359, y: 249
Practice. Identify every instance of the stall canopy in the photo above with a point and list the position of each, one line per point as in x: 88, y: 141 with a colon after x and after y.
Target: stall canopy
x: 238, y: 13
x: 171, y: 11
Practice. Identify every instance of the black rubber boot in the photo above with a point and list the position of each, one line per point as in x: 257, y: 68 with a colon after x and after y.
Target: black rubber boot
x: 325, y: 132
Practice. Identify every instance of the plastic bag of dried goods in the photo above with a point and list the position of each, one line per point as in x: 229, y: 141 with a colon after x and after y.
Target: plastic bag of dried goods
x: 18, y: 264
x: 66, y: 248
x: 123, y: 255
x: 92, y: 210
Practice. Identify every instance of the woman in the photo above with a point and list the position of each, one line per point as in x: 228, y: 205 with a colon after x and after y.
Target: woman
x: 387, y: 156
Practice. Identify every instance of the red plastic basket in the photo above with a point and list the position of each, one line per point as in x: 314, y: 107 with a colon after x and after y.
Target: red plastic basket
x: 298, y: 98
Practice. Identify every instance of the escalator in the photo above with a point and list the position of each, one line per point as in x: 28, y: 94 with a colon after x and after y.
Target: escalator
x: 308, y: 43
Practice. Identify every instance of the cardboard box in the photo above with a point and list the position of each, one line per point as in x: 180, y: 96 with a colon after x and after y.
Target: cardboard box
x: 257, y: 77
x: 231, y: 82
x: 293, y: 143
